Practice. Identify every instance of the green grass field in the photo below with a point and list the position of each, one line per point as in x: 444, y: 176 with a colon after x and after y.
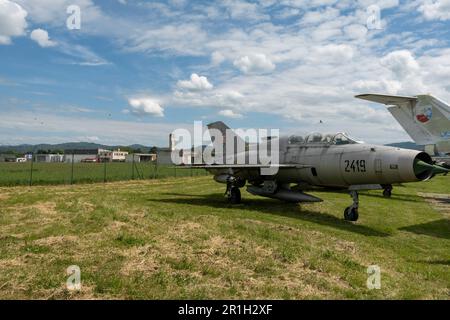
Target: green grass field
x: 177, y: 238
x: 13, y: 174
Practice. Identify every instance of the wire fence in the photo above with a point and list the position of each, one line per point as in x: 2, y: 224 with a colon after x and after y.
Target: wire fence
x: 37, y: 172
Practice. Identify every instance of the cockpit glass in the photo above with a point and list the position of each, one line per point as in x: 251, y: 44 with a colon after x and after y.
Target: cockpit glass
x: 296, y: 140
x: 319, y: 138
x: 342, y: 139
x: 314, y: 138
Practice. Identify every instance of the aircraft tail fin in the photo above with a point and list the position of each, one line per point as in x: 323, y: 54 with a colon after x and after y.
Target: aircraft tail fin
x: 226, y: 132
x: 424, y: 117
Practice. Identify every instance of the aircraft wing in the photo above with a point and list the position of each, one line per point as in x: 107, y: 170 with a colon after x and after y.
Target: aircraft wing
x: 388, y: 100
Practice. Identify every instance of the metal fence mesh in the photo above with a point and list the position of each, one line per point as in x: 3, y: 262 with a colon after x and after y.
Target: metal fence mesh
x: 47, y: 173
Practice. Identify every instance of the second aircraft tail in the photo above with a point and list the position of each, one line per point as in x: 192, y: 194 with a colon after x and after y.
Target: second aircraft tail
x: 424, y: 117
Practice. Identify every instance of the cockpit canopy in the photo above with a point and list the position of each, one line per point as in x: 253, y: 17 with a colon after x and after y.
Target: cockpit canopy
x: 319, y: 138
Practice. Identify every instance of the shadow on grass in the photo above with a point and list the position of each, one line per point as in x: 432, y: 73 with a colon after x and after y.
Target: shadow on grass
x: 393, y: 197
x: 438, y: 229
x: 436, y: 262
x: 272, y: 207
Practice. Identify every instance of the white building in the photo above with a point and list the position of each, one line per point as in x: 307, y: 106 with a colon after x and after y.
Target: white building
x: 141, y: 157
x: 56, y: 158
x: 112, y: 156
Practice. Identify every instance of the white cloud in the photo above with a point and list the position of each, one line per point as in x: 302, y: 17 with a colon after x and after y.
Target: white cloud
x: 332, y: 53
x: 240, y: 9
x: 143, y: 106
x: 356, y: 31
x: 230, y: 114
x: 255, y: 63
x: 41, y: 37
x: 171, y: 39
x: 402, y: 63
x: 319, y: 16
x: 12, y: 21
x: 81, y: 55
x: 217, y: 58
x: 435, y: 9
x: 196, y: 83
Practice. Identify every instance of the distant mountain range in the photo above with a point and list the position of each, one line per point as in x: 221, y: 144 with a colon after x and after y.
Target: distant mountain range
x: 27, y: 148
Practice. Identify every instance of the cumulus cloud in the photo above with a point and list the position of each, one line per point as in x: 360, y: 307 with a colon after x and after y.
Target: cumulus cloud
x: 255, y: 63
x: 228, y: 113
x: 332, y: 53
x: 42, y: 38
x: 196, y: 83
x: 143, y: 106
x: 435, y: 9
x: 239, y: 9
x: 402, y: 63
x: 12, y: 21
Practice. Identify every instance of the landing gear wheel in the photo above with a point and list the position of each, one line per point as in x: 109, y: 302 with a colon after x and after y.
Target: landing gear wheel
x: 351, y: 214
x: 234, y: 196
x: 387, y: 193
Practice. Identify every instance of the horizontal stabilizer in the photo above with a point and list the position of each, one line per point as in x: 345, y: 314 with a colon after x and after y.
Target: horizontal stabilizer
x: 387, y: 100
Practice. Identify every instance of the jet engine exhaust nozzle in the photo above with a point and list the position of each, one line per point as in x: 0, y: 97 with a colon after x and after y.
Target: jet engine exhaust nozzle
x: 424, y: 170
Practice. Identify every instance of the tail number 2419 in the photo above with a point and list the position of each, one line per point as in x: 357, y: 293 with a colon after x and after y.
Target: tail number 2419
x: 355, y: 166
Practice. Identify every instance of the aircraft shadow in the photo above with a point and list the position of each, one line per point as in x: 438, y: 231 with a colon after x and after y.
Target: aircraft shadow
x: 272, y: 207
x: 393, y: 197
x: 437, y: 229
x: 436, y: 262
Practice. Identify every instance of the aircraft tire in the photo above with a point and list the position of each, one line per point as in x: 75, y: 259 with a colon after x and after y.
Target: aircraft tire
x: 387, y: 193
x: 235, y: 195
x: 351, y: 214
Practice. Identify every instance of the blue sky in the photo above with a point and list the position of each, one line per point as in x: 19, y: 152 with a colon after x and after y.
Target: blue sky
x: 137, y: 70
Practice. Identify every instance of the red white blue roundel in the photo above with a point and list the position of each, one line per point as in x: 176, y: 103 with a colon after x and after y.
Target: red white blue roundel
x: 425, y: 115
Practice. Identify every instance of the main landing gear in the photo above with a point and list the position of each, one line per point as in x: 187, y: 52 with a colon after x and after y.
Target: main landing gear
x: 387, y: 191
x: 233, y: 194
x: 351, y: 213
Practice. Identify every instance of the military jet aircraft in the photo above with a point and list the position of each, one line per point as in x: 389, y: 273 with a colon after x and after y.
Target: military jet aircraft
x: 323, y: 160
x: 425, y: 118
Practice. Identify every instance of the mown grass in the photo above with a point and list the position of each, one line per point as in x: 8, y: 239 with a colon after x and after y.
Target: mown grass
x: 177, y: 238
x: 14, y: 174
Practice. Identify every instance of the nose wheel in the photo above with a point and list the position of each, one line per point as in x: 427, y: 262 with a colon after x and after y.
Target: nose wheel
x: 351, y: 213
x: 233, y: 194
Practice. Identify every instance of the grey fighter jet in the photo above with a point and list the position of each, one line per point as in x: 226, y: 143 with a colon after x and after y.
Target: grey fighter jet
x: 323, y: 160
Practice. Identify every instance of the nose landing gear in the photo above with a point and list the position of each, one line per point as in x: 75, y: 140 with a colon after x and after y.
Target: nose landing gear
x: 351, y: 213
x: 233, y: 194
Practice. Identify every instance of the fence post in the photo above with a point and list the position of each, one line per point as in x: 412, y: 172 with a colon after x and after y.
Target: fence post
x: 71, y: 173
x: 104, y: 171
x: 31, y: 171
x: 132, y: 170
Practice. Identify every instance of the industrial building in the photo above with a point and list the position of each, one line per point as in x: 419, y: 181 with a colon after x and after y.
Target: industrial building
x: 77, y: 156
x: 54, y: 158
x: 141, y: 157
x: 7, y: 158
